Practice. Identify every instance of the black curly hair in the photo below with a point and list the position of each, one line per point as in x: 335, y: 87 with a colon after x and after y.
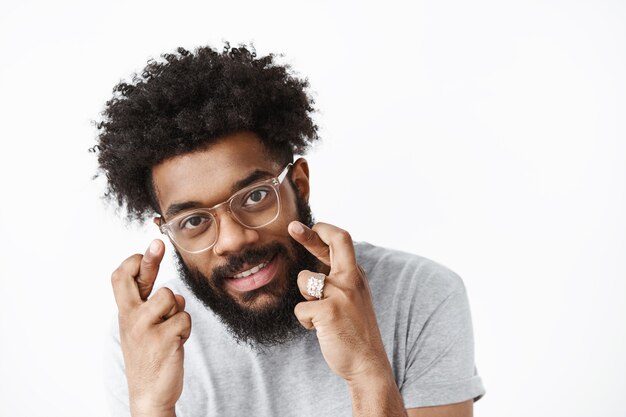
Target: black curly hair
x: 187, y: 101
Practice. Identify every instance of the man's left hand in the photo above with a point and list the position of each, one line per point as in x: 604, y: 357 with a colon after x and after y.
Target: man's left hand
x: 344, y: 317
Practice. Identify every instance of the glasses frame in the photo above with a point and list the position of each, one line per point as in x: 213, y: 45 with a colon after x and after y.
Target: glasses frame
x: 275, y: 182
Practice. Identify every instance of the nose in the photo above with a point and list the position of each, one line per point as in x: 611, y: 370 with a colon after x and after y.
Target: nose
x: 232, y: 236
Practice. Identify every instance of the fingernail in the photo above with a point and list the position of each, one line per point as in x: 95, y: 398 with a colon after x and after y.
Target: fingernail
x: 297, y: 227
x: 154, y: 247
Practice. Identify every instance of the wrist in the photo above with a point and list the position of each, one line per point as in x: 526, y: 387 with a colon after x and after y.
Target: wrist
x: 153, y: 413
x: 374, y: 371
x: 137, y: 410
x: 378, y: 375
x: 373, y: 379
x: 376, y: 395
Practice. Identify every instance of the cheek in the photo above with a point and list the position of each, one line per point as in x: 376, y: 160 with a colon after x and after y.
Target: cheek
x: 288, y: 207
x: 201, y: 262
x: 278, y: 229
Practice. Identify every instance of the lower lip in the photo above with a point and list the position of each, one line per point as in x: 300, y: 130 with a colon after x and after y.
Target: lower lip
x: 256, y: 280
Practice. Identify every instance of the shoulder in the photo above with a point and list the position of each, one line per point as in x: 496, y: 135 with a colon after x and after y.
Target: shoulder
x: 399, y: 273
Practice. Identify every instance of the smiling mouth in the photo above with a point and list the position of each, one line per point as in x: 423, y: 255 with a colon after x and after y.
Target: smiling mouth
x: 251, y: 271
x: 255, y: 277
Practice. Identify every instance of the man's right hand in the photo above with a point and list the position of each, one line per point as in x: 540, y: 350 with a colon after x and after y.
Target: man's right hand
x: 152, y: 334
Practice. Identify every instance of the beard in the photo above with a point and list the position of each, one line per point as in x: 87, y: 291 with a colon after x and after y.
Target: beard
x: 272, y: 323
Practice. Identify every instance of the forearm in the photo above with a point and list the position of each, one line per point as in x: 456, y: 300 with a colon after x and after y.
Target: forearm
x: 376, y: 396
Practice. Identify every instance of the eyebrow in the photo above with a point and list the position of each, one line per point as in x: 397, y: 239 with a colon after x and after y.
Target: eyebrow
x: 251, y: 178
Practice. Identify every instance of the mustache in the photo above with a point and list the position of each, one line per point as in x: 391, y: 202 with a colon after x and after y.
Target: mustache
x: 235, y: 262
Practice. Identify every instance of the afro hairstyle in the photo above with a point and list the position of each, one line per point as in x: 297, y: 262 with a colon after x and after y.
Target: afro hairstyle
x: 189, y: 100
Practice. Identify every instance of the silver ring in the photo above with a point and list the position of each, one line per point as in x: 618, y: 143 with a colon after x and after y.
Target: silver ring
x: 315, y: 285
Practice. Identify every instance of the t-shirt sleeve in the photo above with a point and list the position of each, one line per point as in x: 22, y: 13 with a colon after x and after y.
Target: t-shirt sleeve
x: 114, y: 374
x: 440, y: 365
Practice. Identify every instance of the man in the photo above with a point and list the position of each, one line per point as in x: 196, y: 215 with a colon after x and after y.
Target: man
x: 290, y: 317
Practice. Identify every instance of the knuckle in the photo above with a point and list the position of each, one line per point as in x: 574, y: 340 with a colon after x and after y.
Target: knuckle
x: 344, y: 237
x: 303, y: 276
x: 165, y: 294
x: 129, y: 264
x: 132, y: 260
x: 298, y: 310
x: 178, y: 324
x: 116, y: 276
x: 186, y: 319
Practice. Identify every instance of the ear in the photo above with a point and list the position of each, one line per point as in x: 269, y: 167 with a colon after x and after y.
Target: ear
x: 300, y: 177
x: 157, y: 220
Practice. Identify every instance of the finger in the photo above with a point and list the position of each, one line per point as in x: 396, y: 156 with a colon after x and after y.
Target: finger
x: 177, y: 307
x: 124, y: 284
x: 303, y: 282
x: 180, y: 300
x: 342, y: 256
x: 310, y: 240
x: 305, y: 313
x: 149, y: 268
x: 160, y: 305
x: 178, y: 326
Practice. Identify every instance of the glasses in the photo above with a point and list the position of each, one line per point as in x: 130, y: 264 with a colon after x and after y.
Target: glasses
x: 253, y: 207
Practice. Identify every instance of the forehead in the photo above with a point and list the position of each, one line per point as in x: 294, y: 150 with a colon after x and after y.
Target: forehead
x: 207, y: 176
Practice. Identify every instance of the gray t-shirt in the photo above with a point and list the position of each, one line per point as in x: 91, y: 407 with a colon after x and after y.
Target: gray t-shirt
x: 425, y: 323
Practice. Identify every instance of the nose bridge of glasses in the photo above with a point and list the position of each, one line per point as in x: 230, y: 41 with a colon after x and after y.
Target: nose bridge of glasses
x: 223, y: 206
x: 220, y: 209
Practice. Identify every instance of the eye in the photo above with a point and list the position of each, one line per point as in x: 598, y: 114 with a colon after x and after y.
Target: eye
x: 195, y: 222
x: 255, y: 197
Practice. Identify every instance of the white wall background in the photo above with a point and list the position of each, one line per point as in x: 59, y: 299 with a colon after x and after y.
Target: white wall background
x: 487, y: 135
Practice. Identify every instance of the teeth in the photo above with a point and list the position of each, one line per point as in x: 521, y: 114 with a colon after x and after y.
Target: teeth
x: 251, y: 271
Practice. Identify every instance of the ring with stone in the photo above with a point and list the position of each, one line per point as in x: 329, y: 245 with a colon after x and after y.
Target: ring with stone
x: 315, y: 285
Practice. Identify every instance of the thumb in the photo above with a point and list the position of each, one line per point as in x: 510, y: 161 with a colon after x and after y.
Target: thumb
x: 149, y: 268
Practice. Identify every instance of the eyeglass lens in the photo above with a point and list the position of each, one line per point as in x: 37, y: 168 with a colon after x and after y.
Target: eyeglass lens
x: 252, y: 207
